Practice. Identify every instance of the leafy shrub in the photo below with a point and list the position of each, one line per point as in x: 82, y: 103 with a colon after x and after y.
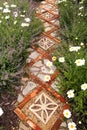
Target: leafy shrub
x: 71, y: 58
x: 73, y: 20
x: 18, y: 26
x: 72, y: 64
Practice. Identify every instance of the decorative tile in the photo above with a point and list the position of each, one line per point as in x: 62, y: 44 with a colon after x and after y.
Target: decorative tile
x: 47, y: 16
x: 45, y: 43
x: 43, y: 108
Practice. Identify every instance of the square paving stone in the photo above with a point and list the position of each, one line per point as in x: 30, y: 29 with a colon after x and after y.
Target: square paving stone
x: 45, y: 43
x: 42, y: 109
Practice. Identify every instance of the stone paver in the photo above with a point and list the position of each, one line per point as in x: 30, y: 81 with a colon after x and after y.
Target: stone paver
x: 39, y: 105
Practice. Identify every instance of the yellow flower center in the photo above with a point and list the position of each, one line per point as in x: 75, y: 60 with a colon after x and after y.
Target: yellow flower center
x: 72, y: 126
x: 54, y: 58
x: 67, y: 113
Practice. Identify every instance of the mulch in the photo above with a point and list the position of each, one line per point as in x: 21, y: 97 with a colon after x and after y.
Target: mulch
x: 9, y: 120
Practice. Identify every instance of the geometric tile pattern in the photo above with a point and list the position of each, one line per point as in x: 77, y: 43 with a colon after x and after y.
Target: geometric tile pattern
x: 45, y: 43
x: 43, y: 108
x: 39, y: 105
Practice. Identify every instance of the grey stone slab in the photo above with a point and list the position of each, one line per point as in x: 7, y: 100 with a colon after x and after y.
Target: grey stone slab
x: 38, y: 64
x: 34, y: 55
x: 63, y: 124
x: 20, y: 98
x: 42, y: 77
x: 30, y: 85
x: 54, y: 86
x: 23, y: 127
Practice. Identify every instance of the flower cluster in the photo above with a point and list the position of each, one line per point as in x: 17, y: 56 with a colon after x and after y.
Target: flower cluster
x: 10, y: 11
x: 67, y: 114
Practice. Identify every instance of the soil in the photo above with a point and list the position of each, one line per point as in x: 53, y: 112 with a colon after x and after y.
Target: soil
x: 9, y: 120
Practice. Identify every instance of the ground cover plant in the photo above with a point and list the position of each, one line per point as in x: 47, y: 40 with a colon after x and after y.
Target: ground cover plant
x: 18, y: 27
x: 71, y: 59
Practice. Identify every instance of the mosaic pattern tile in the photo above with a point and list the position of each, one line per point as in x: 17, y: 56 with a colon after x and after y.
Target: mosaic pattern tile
x: 43, y: 108
x: 47, y: 15
x: 41, y: 69
x: 45, y: 43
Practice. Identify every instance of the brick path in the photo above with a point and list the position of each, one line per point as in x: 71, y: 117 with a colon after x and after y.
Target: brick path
x: 39, y: 106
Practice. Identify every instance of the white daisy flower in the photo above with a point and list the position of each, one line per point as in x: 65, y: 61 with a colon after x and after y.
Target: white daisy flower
x: 49, y: 63
x: 24, y: 24
x: 61, y: 59
x: 22, y: 15
x: 13, y: 5
x: 67, y: 113
x: 80, y: 8
x: 1, y: 8
x: 7, y: 17
x: 80, y: 62
x: 47, y: 78
x: 6, y: 10
x: 54, y: 58
x: 5, y: 3
x: 74, y: 48
x: 1, y: 111
x: 0, y: 21
x: 6, y: 6
x: 70, y: 93
x: 84, y: 86
x: 72, y: 126
x: 15, y: 21
x: 27, y: 19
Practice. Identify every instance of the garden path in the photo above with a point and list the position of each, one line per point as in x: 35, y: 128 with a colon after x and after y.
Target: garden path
x: 39, y: 106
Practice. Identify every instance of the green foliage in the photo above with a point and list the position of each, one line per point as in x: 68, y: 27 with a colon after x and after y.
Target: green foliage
x: 73, y: 76
x: 73, y: 20
x: 73, y: 32
x: 15, y: 38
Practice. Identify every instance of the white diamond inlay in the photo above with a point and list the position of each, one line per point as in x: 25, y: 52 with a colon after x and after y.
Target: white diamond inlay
x: 43, y: 108
x: 45, y: 43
